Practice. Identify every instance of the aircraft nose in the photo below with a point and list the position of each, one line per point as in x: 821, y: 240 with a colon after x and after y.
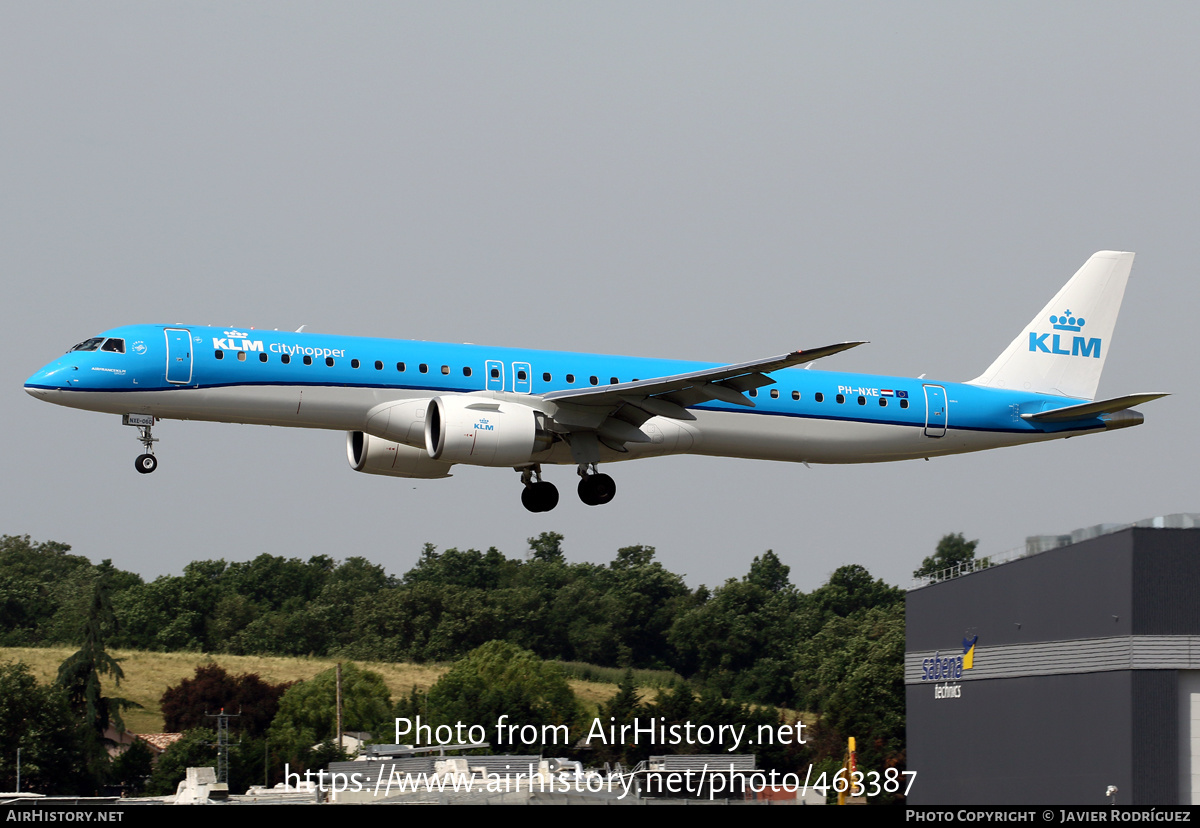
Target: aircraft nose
x: 53, y: 377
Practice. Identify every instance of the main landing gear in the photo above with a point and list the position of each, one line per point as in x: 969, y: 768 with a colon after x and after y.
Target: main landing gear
x: 145, y: 463
x: 595, y: 489
x: 539, y: 495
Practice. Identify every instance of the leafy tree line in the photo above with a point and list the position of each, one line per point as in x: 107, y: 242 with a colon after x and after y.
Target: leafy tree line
x: 836, y: 651
x: 745, y: 638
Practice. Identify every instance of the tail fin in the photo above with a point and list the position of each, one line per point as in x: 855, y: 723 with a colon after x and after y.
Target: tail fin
x: 1062, y: 351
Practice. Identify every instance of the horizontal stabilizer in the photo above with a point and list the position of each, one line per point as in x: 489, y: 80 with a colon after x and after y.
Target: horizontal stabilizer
x: 1087, y: 411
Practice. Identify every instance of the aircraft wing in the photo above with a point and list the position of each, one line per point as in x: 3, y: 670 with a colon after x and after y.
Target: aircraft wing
x: 615, y: 412
x: 721, y: 383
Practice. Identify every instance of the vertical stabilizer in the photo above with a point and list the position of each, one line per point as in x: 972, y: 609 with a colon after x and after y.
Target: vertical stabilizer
x: 1062, y: 351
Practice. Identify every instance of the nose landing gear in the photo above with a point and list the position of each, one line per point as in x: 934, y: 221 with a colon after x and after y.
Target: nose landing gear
x: 145, y: 463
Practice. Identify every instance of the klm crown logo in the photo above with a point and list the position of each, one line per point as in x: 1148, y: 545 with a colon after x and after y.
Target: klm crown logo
x: 1080, y: 346
x: 1066, y: 322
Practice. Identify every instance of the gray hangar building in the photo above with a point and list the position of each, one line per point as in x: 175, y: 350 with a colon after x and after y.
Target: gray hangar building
x: 1051, y: 678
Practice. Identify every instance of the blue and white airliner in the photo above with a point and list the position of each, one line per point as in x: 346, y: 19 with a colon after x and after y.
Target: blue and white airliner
x: 415, y: 409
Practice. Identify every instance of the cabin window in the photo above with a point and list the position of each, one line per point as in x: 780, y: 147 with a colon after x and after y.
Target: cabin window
x: 904, y: 403
x: 400, y: 366
x: 795, y: 395
x: 219, y: 354
x: 495, y: 372
x: 841, y: 398
x: 329, y: 361
x: 522, y: 375
x: 241, y: 356
x: 378, y: 365
x: 114, y: 346
x: 423, y: 368
x: 307, y: 359
x: 594, y: 380
x: 546, y: 377
x: 862, y: 400
x: 354, y: 363
x: 285, y: 359
x: 753, y: 392
x: 883, y: 402
x: 262, y: 357
x: 570, y: 378
x: 819, y: 397
x: 445, y: 370
x: 613, y: 380
x: 466, y: 370
x: 774, y: 393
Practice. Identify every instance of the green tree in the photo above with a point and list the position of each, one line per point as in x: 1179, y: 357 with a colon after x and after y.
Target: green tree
x: 195, y: 750
x: 308, y: 710
x: 37, y: 720
x: 499, y: 679
x: 769, y: 572
x: 80, y: 674
x: 547, y: 547
x: 952, y: 550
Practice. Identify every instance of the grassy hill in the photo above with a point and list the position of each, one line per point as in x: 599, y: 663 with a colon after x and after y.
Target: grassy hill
x: 148, y: 674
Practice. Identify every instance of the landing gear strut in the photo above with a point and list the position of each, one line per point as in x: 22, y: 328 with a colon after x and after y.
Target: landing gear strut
x: 595, y: 489
x: 145, y: 463
x: 538, y: 495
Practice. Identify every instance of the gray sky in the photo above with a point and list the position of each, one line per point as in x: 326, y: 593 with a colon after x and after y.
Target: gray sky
x: 711, y: 181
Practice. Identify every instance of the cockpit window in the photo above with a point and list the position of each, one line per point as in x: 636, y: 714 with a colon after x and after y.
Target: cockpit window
x: 116, y: 346
x: 88, y: 344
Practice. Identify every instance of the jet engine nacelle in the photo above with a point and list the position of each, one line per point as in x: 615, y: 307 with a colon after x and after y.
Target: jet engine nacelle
x: 483, y: 432
x: 373, y: 455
